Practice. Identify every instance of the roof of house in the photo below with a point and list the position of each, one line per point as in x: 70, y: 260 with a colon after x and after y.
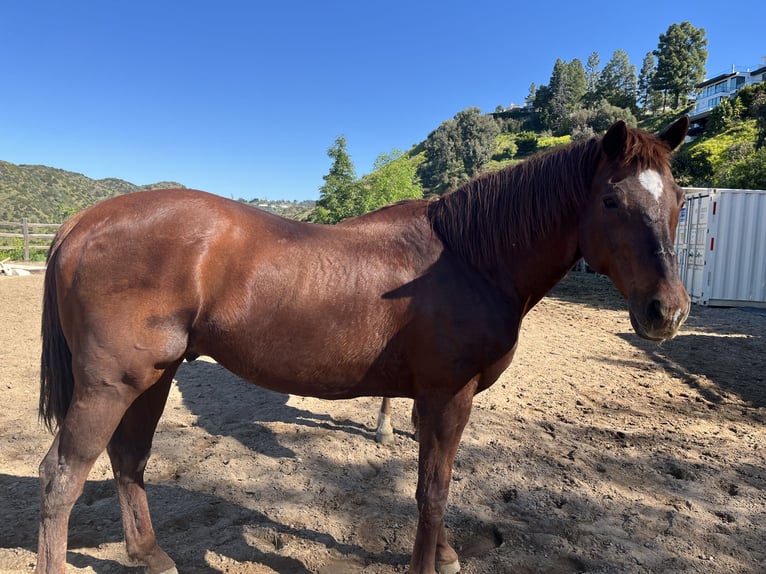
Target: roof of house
x: 727, y: 75
x: 717, y: 79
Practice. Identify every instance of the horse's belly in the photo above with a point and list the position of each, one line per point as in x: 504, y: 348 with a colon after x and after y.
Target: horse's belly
x: 321, y: 371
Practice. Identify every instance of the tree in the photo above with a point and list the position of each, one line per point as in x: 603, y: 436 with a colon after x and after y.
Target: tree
x: 646, y: 95
x: 458, y: 149
x: 591, y: 79
x: 721, y: 117
x: 605, y: 114
x: 530, y: 99
x: 556, y: 107
x: 758, y: 111
x: 567, y: 86
x: 543, y: 104
x: 591, y: 71
x: 681, y: 57
x: 575, y: 84
x: 617, y: 82
x: 441, y: 169
x: 394, y: 178
x: 585, y: 122
x: 477, y: 134
x: 337, y: 197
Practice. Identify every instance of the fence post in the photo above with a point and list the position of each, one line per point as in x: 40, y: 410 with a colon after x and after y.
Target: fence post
x: 25, y: 233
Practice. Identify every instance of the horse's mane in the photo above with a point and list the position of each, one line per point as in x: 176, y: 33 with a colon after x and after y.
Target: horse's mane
x: 504, y: 210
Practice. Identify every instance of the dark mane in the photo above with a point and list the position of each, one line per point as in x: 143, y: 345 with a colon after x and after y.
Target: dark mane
x: 503, y: 210
x: 516, y: 206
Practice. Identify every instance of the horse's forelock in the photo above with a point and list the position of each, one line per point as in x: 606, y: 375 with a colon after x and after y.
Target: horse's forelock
x: 645, y: 150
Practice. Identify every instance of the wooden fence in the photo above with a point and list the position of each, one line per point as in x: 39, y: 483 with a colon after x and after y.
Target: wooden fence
x: 30, y: 239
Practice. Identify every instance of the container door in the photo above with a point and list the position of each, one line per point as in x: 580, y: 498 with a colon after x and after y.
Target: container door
x: 691, y: 237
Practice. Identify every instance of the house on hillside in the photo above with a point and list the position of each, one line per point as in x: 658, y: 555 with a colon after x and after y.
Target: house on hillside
x: 711, y: 92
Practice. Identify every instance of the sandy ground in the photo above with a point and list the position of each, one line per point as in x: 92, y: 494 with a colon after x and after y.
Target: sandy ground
x: 595, y: 452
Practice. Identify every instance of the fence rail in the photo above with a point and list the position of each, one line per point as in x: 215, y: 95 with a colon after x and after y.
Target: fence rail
x: 30, y: 239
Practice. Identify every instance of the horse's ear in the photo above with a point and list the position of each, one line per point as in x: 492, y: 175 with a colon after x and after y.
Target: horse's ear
x: 615, y: 138
x: 675, y: 134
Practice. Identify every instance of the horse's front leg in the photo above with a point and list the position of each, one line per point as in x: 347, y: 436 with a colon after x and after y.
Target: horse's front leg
x: 441, y: 424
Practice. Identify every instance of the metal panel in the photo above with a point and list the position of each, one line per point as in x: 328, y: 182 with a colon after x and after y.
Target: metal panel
x: 721, y: 246
x: 737, y: 244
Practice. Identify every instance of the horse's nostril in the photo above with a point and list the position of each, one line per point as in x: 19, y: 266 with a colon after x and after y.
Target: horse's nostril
x: 656, y: 311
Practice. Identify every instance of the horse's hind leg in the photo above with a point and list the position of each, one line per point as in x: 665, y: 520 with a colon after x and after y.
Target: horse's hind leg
x: 385, y: 432
x: 129, y: 451
x: 84, y: 433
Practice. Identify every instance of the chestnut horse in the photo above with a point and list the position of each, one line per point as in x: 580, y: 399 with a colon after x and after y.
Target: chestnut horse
x: 421, y: 299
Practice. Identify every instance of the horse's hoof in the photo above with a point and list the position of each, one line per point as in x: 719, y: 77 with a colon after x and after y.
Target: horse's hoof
x: 451, y: 568
x: 384, y: 438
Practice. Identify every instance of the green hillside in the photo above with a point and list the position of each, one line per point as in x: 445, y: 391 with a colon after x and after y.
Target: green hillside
x: 727, y: 158
x: 49, y: 195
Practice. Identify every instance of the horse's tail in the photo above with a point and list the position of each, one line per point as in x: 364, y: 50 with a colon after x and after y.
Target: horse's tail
x: 56, y: 379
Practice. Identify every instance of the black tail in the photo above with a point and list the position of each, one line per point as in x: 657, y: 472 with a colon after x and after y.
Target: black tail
x: 56, y: 380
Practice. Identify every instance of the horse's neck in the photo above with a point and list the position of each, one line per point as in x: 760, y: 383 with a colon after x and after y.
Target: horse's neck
x: 519, y: 226
x: 529, y: 273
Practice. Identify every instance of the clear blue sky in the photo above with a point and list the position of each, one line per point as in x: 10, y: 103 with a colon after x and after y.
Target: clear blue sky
x: 243, y: 98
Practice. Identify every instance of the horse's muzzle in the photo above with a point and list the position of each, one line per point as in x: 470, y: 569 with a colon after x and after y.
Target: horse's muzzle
x: 659, y: 317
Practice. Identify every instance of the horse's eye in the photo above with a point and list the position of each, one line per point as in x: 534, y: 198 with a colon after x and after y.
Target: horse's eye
x: 610, y: 202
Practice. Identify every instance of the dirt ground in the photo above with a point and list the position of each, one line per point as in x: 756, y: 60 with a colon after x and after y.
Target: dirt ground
x: 595, y: 452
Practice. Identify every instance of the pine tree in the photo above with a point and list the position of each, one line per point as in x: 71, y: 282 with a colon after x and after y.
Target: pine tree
x: 617, y: 82
x: 337, y: 197
x: 591, y: 77
x: 681, y: 57
x: 565, y: 91
x: 646, y: 94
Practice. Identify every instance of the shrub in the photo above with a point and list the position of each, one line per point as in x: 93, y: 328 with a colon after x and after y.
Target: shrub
x: 544, y: 143
x: 526, y: 143
x: 505, y: 147
x: 748, y: 173
x: 16, y: 251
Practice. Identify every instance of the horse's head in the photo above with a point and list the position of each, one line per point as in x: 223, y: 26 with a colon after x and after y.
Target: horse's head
x: 628, y: 231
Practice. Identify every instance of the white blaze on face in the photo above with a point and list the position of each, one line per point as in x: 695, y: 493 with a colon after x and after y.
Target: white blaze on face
x: 651, y: 182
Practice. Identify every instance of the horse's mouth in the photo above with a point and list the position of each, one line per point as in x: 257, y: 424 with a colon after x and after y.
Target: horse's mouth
x: 657, y: 333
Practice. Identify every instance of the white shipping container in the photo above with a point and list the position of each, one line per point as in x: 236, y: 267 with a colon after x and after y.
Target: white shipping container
x: 721, y: 247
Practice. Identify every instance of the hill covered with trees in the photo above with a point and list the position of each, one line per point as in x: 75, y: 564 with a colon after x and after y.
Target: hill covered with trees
x: 49, y: 195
